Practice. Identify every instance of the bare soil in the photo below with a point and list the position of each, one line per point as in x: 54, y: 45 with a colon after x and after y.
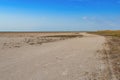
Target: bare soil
x: 76, y: 58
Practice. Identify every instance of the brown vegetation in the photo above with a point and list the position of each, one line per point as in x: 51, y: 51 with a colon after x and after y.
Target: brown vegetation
x: 34, y: 38
x: 108, y: 33
x: 113, y: 38
x: 114, y: 53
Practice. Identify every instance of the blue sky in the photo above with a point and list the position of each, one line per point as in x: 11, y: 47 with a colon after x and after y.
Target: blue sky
x: 59, y: 15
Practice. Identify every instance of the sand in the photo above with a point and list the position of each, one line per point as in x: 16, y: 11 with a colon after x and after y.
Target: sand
x: 69, y: 59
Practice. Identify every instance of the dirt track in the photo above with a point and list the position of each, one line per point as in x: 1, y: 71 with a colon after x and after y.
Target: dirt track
x: 72, y: 59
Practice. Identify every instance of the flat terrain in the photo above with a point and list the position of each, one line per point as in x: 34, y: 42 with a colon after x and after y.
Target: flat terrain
x: 67, y: 59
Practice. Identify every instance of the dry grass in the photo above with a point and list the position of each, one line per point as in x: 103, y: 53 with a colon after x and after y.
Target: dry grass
x: 114, y: 45
x: 14, y: 39
x: 113, y: 38
x: 108, y: 33
x: 34, y: 34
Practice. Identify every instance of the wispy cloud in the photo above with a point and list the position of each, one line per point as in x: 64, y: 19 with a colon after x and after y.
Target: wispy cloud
x: 85, y: 18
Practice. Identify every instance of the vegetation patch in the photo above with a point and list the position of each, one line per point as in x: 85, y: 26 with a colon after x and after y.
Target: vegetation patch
x: 66, y: 36
x: 108, y: 33
x: 36, y: 40
x: 114, y: 45
x: 113, y: 41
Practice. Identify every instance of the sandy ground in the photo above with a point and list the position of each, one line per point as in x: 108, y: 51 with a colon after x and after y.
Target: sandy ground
x: 17, y: 40
x: 71, y: 59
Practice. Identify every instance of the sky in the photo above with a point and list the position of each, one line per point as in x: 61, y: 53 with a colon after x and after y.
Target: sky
x: 59, y: 15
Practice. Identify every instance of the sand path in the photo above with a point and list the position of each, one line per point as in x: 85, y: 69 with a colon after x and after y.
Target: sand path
x: 72, y: 59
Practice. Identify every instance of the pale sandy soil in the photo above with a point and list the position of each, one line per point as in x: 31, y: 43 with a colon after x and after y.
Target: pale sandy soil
x: 17, y: 40
x: 70, y: 59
